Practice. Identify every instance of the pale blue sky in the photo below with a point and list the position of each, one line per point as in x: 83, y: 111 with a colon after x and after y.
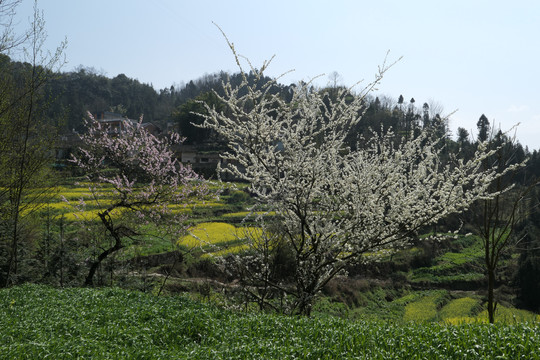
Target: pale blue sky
x: 473, y: 56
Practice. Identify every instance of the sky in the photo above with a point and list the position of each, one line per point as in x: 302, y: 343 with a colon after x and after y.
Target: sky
x: 469, y: 57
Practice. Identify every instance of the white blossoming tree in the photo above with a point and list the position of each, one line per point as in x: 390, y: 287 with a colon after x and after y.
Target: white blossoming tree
x: 134, y: 177
x: 332, y: 204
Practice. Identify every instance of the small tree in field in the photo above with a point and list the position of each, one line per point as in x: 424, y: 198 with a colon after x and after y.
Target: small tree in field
x: 332, y: 204
x: 139, y: 172
x: 497, y: 217
x: 26, y: 136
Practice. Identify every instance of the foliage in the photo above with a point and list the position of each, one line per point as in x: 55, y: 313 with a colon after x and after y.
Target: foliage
x: 187, y: 118
x: 462, y: 266
x: 334, y: 203
x: 67, y: 235
x: 85, y: 89
x: 527, y: 275
x: 40, y: 322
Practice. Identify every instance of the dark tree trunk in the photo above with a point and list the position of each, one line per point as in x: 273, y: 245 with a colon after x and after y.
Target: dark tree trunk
x: 12, y: 261
x: 491, y: 305
x: 116, y: 234
x: 93, y: 268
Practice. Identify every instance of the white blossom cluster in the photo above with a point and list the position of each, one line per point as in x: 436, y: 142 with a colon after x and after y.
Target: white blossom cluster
x: 334, y: 204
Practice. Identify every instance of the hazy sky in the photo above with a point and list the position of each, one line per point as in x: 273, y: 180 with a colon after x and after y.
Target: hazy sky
x: 473, y: 56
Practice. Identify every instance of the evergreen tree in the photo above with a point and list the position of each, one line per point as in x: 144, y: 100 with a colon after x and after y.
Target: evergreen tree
x: 483, y: 128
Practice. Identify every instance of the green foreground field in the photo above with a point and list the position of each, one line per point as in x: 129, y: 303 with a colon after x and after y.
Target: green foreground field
x: 40, y: 322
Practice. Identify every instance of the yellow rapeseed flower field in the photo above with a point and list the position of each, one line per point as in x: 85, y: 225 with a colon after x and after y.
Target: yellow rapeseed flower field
x: 58, y: 206
x: 235, y: 249
x: 424, y: 309
x: 209, y: 233
x: 460, y: 308
x: 218, y: 238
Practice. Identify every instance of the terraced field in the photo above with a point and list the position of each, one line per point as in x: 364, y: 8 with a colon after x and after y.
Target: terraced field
x: 216, y: 231
x: 213, y: 231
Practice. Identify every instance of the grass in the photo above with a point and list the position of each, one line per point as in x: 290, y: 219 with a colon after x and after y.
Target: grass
x: 507, y: 315
x: 40, y: 322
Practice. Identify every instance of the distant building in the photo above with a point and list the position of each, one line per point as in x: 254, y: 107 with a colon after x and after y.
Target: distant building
x: 115, y: 123
x: 203, y: 158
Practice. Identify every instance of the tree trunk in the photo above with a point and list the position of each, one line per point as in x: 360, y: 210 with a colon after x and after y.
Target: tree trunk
x: 107, y: 221
x: 491, y: 305
x: 93, y: 268
x: 12, y: 261
x: 305, y: 302
x: 304, y: 308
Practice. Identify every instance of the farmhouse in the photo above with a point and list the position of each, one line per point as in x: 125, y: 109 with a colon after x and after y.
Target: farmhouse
x: 203, y: 158
x: 115, y: 122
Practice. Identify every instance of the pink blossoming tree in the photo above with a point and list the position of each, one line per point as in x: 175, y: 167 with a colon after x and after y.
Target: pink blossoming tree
x: 140, y: 173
